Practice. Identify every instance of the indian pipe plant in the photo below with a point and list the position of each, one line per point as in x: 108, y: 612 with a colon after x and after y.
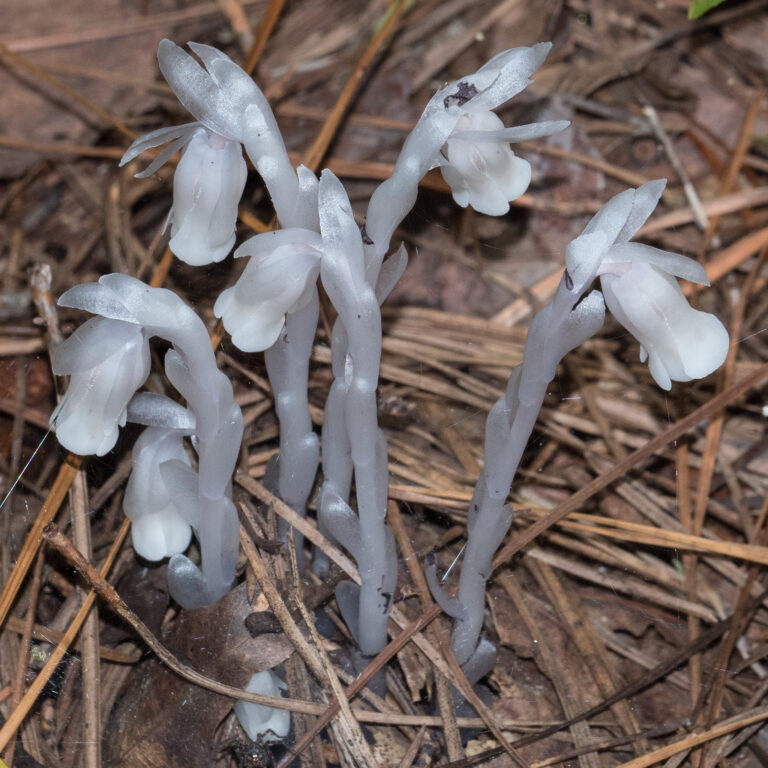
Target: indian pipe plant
x: 181, y: 484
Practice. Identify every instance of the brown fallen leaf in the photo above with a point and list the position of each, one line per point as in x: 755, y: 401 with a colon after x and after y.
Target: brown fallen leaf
x: 162, y: 720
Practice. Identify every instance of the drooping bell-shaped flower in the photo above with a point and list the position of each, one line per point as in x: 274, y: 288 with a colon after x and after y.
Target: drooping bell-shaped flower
x: 680, y: 343
x: 207, y: 187
x: 479, y: 165
x: 459, y: 132
x: 280, y: 278
x: 640, y: 289
x: 210, y: 178
x: 153, y: 504
x: 108, y: 360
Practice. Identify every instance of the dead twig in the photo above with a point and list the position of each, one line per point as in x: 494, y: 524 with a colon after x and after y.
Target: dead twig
x: 314, y: 155
x: 50, y: 507
x: 24, y: 647
x: 362, y: 680
x: 266, y: 25
x: 20, y: 712
x: 78, y: 495
x: 348, y: 725
x: 699, y: 215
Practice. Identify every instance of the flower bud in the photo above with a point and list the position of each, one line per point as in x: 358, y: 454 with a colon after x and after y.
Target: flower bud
x: 264, y: 724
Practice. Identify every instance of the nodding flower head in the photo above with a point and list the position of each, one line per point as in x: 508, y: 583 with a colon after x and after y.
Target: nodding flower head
x: 459, y: 132
x: 210, y: 178
x: 159, y: 530
x: 639, y: 286
x: 679, y: 342
x: 476, y: 160
x: 108, y: 360
x: 207, y: 187
x: 279, y: 278
x: 217, y: 94
x: 479, y: 165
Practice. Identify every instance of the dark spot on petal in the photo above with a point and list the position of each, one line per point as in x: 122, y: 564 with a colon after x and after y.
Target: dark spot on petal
x: 568, y: 281
x: 464, y: 92
x: 364, y: 234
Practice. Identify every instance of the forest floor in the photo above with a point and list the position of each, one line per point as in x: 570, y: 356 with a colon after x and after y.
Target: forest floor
x: 632, y: 629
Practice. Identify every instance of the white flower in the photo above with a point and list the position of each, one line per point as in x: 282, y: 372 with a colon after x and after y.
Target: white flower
x: 679, y: 342
x: 459, y: 132
x: 639, y: 286
x: 207, y: 187
x: 262, y: 723
x: 210, y: 178
x: 159, y: 530
x: 108, y: 361
x: 280, y: 278
x: 481, y: 168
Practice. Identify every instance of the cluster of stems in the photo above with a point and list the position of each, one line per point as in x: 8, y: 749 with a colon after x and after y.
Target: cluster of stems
x: 198, y: 500
x: 273, y: 307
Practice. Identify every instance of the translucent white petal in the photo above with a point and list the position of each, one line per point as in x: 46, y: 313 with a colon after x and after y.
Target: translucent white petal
x: 156, y: 138
x: 92, y: 343
x: 514, y: 66
x: 485, y: 175
x: 583, y: 257
x: 263, y: 724
x: 672, y: 263
x: 219, y: 98
x: 612, y: 217
x: 163, y: 158
x: 148, y: 538
x: 255, y: 333
x: 148, y: 495
x: 644, y: 203
x: 99, y: 299
x: 273, y: 283
x: 270, y: 241
x: 151, y: 307
x: 157, y: 536
x: 681, y: 343
x: 342, y: 240
x: 391, y: 271
x: 497, y: 81
x: 207, y: 187
x: 514, y: 132
x: 178, y: 475
x: 94, y: 405
x: 153, y: 410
